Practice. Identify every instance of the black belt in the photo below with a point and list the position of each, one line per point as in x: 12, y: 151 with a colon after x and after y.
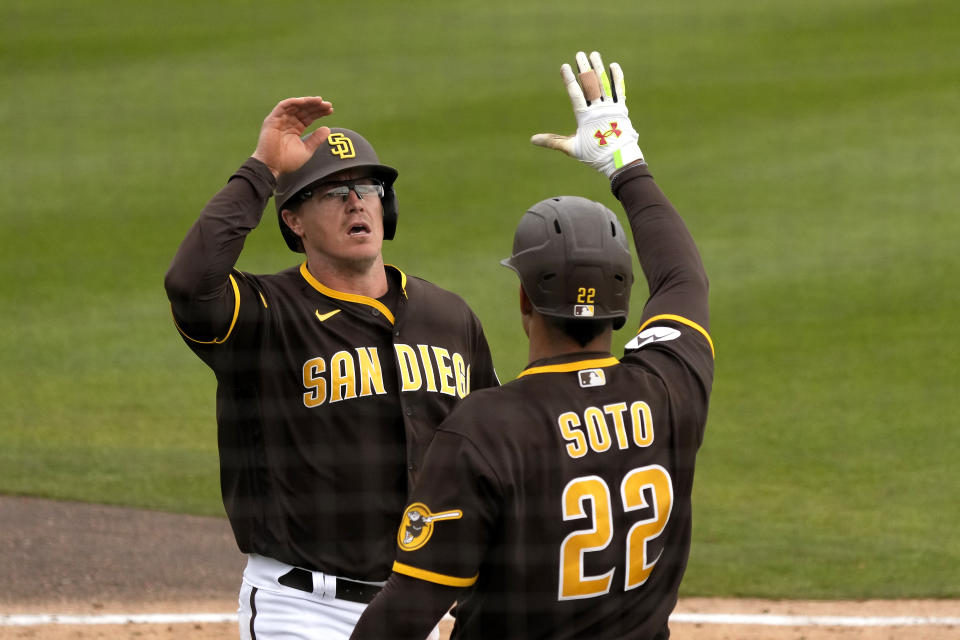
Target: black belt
x: 351, y: 590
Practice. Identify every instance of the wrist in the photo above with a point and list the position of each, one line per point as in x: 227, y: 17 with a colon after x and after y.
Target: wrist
x: 276, y: 174
x: 624, y: 157
x: 258, y: 174
x: 626, y: 173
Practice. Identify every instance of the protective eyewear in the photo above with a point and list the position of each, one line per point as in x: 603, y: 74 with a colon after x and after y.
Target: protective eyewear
x: 342, y: 191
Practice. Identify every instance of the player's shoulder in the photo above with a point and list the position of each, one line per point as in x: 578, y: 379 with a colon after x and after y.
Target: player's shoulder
x: 672, y: 333
x: 675, y: 349
x: 286, y: 275
x: 423, y: 292
x: 472, y: 414
x: 505, y: 396
x: 422, y: 286
x: 264, y: 283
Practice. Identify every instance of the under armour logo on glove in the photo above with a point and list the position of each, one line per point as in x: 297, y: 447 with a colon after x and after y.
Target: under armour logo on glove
x: 603, y: 135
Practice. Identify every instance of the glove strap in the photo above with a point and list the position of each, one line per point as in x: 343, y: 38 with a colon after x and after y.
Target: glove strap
x: 626, y: 155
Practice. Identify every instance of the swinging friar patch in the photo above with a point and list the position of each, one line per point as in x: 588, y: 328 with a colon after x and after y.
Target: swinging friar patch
x: 417, y: 525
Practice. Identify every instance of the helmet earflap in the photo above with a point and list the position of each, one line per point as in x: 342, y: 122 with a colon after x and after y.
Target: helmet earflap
x: 390, y: 212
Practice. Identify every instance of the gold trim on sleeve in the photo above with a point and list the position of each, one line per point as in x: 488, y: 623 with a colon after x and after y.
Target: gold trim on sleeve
x: 233, y: 321
x: 430, y: 576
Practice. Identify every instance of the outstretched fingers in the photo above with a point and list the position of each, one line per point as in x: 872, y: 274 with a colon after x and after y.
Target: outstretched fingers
x: 596, y: 64
x: 588, y: 78
x: 299, y: 113
x: 316, y: 138
x: 577, y: 99
x: 280, y: 146
x: 554, y: 141
x: 619, y: 85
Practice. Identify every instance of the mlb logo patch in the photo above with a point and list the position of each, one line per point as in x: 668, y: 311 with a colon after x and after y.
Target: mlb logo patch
x: 592, y: 378
x: 583, y: 310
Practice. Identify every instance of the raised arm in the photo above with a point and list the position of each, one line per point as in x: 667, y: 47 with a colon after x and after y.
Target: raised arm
x: 197, y: 282
x: 607, y: 141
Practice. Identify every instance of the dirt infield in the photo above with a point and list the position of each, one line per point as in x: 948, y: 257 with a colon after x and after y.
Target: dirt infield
x: 92, y: 561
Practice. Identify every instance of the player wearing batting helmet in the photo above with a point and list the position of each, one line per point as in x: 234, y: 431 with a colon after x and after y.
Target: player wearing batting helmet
x: 331, y: 375
x: 570, y: 487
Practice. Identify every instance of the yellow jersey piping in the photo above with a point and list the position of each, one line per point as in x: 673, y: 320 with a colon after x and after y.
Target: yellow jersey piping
x: 403, y: 279
x: 430, y: 576
x: 233, y: 321
x: 571, y: 366
x: 349, y: 297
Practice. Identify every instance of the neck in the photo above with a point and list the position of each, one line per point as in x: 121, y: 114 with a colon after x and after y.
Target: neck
x: 366, y: 278
x: 546, y: 341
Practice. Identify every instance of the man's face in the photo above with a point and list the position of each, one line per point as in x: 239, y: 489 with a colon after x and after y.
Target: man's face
x: 345, y: 230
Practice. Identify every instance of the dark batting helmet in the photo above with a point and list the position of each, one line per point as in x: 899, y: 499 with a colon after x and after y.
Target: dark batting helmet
x: 574, y: 260
x: 343, y: 149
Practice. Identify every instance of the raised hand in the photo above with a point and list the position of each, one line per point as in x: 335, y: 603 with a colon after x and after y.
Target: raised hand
x: 605, y: 138
x: 281, y: 146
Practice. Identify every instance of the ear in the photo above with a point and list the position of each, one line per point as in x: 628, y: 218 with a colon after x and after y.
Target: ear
x: 526, y: 311
x: 526, y: 307
x: 292, y: 220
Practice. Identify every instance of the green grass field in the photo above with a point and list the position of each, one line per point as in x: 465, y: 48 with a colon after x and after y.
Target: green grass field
x: 811, y: 146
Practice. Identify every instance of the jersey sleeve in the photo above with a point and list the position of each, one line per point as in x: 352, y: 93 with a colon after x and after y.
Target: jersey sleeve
x: 445, y: 529
x: 405, y: 608
x: 668, y: 255
x: 217, y: 344
x: 673, y: 340
x: 207, y: 295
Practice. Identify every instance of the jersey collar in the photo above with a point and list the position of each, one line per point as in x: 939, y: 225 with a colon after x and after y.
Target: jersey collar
x: 403, y: 278
x: 353, y: 297
x: 568, y: 363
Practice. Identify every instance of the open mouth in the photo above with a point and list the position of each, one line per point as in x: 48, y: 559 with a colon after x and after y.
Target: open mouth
x: 358, y: 229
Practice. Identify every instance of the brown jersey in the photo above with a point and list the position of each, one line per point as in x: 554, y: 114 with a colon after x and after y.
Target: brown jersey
x: 325, y: 400
x: 561, y: 500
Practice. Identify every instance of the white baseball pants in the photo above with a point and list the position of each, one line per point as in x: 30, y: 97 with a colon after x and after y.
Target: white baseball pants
x: 271, y: 611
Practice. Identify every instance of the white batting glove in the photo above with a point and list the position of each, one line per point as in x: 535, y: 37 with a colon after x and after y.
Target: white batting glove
x: 605, y: 138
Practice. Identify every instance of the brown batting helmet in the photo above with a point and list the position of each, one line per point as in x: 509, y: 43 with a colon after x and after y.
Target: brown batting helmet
x: 343, y: 149
x: 574, y: 260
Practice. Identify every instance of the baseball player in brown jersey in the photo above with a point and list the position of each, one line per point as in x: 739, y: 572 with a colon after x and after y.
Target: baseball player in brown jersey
x: 331, y: 375
x: 558, y: 505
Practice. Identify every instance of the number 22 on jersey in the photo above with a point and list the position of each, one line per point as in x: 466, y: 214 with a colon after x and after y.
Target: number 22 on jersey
x: 592, y: 492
